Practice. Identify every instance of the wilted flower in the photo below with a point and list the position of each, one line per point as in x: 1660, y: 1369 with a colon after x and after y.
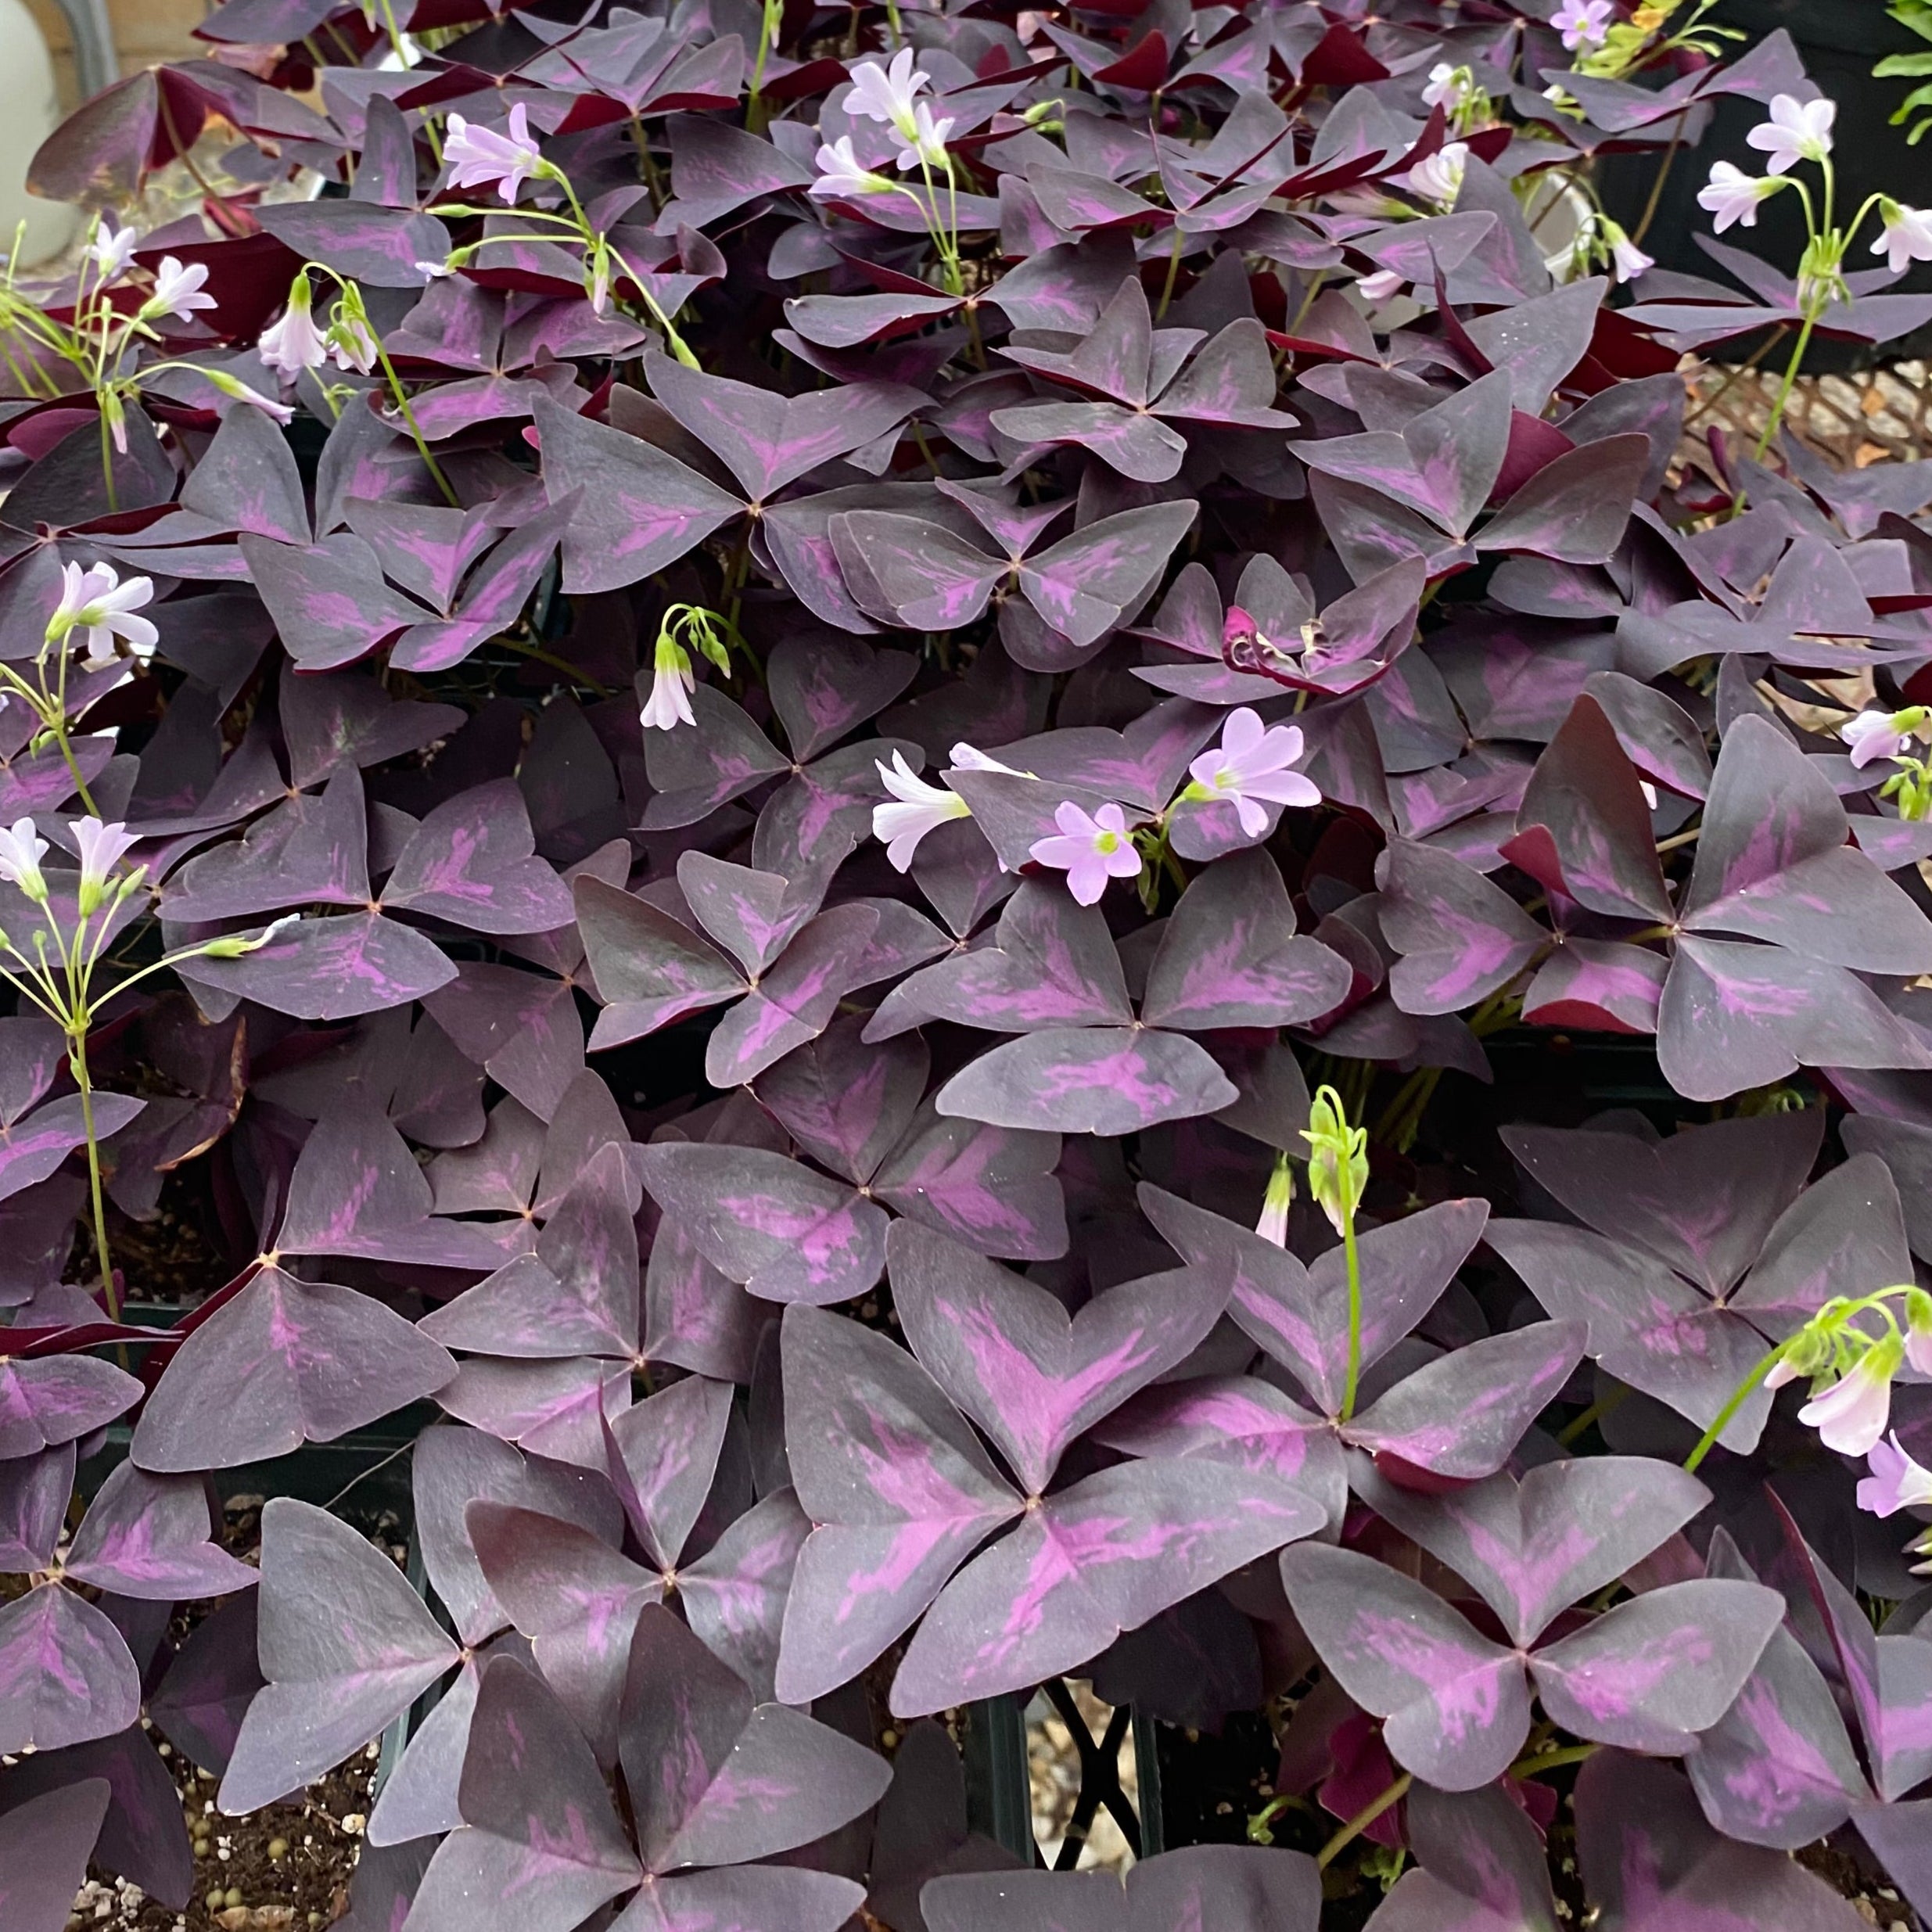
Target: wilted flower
x: 489, y: 157
x: 21, y: 850
x: 102, y: 848
x: 178, y: 290
x: 1877, y: 734
x: 917, y: 808
x: 841, y: 175
x: 1252, y: 763
x: 294, y: 344
x: 112, y: 250
x: 1798, y: 131
x: 1440, y: 177
x: 1732, y: 195
x: 1275, y: 1204
x: 95, y: 602
x: 969, y: 758
x: 1896, y: 1482
x: 1583, y: 23
x: 1089, y: 850
x: 1905, y: 235
x: 1851, y: 1415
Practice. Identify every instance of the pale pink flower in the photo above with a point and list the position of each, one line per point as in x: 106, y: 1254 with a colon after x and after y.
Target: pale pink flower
x: 102, y: 848
x: 95, y: 602
x: 294, y: 344
x: 1896, y: 1482
x: 1089, y: 850
x: 489, y: 157
x: 178, y: 290
x: 672, y: 683
x: 1851, y: 1415
x: 1906, y: 235
x: 1877, y: 734
x: 1253, y: 764
x: 1798, y: 131
x: 842, y: 178
x: 1439, y: 179
x: 1627, y: 260
x: 1734, y: 196
x: 1378, y: 287
x: 1583, y: 23
x: 111, y: 251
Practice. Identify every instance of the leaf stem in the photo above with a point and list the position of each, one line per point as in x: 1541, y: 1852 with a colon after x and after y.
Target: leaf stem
x: 1362, y: 1820
x: 1355, y: 1315
x: 76, y: 1059
x: 1741, y: 1395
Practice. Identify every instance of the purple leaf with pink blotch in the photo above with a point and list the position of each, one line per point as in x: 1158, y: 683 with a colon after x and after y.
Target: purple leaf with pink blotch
x: 714, y: 1781
x: 1087, y: 584
x: 332, y: 968
x: 472, y: 862
x: 1575, y: 508
x: 31, y: 1050
x: 1652, y: 1865
x: 898, y: 1489
x: 33, y: 1148
x: 798, y: 1898
x: 449, y: 1468
x: 1094, y: 1079
x: 734, y: 1594
x: 285, y: 1362
x: 522, y: 1028
x: 751, y: 914
x: 1459, y: 935
x: 667, y: 1449
x: 795, y: 1000
x: 1107, y: 1555
x: 551, y: 1409
x: 695, y: 1316
x: 787, y: 1233
x: 1011, y: 1357
x: 844, y: 1102
x: 350, y: 718
x: 640, y: 508
x: 993, y: 1188
x: 1300, y: 1314
x: 540, y: 1847
x: 34, y: 1489
x: 199, y: 1704
x: 150, y: 1537
x: 59, y: 1399
x: 822, y: 686
x: 1597, y: 986
x: 45, y: 1846
x: 329, y: 601
x: 1480, y: 1867
x: 334, y: 1680
x: 419, y: 1799
x: 66, y: 1675
x: 382, y: 247
x: 1229, y: 956
x: 650, y: 969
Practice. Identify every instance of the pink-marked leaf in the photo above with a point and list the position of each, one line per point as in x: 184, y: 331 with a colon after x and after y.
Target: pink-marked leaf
x: 541, y: 1847
x: 1088, y: 583
x: 1601, y: 985
x: 66, y: 1675
x: 695, y: 1315
x: 1107, y: 1555
x: 824, y: 687
x: 200, y: 1703
x: 1100, y: 1079
x: 419, y: 1798
x: 1480, y: 1868
x: 751, y: 914
x: 33, y: 1148
x: 898, y: 1488
x: 845, y: 1103
x: 734, y: 1594
x: 382, y: 247
x: 148, y: 1537
x: 1229, y: 956
x: 1652, y: 1865
x: 922, y: 575
x: 345, y: 1644
x: 574, y: 1597
x: 31, y: 1050
x: 1463, y: 1415
x: 34, y: 1490
x: 307, y: 849
x: 993, y: 1188
x: 59, y: 1399
x: 329, y: 600
x: 640, y: 509
x: 650, y: 970
x: 333, y: 968
x: 1846, y: 1229
x: 285, y: 1362
x: 1460, y: 935
x: 1534, y: 1548
x: 1300, y: 1315
x: 473, y: 862
x: 1456, y: 1705
x: 670, y: 1446
x: 451, y: 1468
x: 522, y: 1028
x: 331, y: 720
x: 45, y: 1846
x: 552, y: 1408
x: 798, y: 1898
x: 793, y: 1001
x: 787, y: 1233
x: 1011, y: 1358
x: 1576, y: 508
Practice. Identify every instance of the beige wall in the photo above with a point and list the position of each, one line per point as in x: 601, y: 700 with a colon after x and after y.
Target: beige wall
x: 144, y: 31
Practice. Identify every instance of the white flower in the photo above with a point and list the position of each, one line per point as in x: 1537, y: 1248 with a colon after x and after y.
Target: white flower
x: 238, y: 391
x: 102, y: 848
x: 111, y: 251
x: 489, y: 157
x: 1850, y: 1415
x: 1252, y: 763
x: 1906, y: 236
x: 351, y: 343
x: 669, y: 704
x: 178, y: 290
x: 1877, y: 734
x: 917, y: 808
x: 294, y: 344
x: 1583, y: 23
x: 926, y: 143
x: 1627, y: 260
x: 1275, y: 1204
x: 841, y: 177
x: 21, y: 850
x: 1798, y: 131
x: 1378, y: 287
x: 1732, y: 195
x: 435, y: 270
x: 95, y: 602
x: 889, y: 94
x: 1897, y: 1482
x: 1449, y: 86
x: 1089, y: 850
x: 970, y: 758
x: 1440, y: 177
x: 1650, y: 792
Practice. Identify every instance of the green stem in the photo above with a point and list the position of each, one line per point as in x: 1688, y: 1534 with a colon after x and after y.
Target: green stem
x: 1552, y: 1760
x: 1597, y: 1410
x: 1739, y: 1396
x: 409, y: 416
x: 1355, y: 1315
x: 1785, y: 387
x: 76, y: 1059
x: 1361, y: 1822
x: 1173, y: 271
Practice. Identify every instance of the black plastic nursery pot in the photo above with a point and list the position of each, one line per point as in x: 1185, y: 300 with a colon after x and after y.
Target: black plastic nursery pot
x: 1839, y: 44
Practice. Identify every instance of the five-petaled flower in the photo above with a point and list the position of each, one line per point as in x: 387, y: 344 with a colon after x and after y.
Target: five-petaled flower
x: 1252, y: 763
x: 95, y: 602
x: 177, y: 291
x: 1734, y: 196
x: 1439, y: 179
x: 1091, y: 850
x: 672, y: 683
x: 889, y: 94
x: 1583, y: 23
x: 1850, y: 1415
x: 295, y: 343
x: 841, y: 174
x: 111, y: 251
x: 490, y: 157
x: 1449, y: 86
x: 1627, y: 260
x: 1877, y: 734
x: 1897, y: 1482
x: 916, y: 807
x: 21, y: 850
x: 102, y: 848
x: 1798, y: 131
x: 1904, y: 235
